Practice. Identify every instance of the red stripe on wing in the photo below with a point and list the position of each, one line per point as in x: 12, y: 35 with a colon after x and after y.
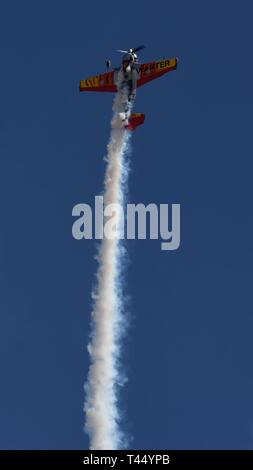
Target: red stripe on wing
x: 154, y: 70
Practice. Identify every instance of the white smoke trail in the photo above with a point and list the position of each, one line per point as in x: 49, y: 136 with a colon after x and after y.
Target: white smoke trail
x: 104, y: 378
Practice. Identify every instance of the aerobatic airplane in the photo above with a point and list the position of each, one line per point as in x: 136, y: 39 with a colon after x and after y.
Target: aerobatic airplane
x: 131, y: 75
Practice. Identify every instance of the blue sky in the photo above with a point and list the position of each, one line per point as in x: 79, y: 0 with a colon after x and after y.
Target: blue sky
x: 188, y: 354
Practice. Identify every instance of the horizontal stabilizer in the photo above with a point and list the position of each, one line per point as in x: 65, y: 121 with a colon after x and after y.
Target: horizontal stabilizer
x: 135, y: 120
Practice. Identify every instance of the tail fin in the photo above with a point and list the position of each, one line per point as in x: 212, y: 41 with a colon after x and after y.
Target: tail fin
x: 135, y: 120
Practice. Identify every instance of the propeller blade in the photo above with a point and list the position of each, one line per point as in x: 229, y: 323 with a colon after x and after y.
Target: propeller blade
x: 120, y: 50
x: 139, y: 48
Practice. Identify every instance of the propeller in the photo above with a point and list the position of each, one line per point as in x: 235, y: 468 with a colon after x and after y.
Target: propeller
x: 139, y: 48
x: 136, y: 49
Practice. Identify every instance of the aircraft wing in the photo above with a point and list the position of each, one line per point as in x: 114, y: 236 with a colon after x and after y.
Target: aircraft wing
x: 103, y: 82
x: 156, y: 69
x: 150, y: 71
